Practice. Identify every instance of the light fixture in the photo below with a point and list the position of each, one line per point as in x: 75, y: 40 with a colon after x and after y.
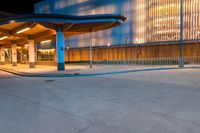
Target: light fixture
x: 68, y: 47
x: 108, y: 44
x: 136, y: 40
x: 23, y: 30
x: 46, y: 41
x: 12, y: 21
x: 2, y: 38
x: 46, y: 50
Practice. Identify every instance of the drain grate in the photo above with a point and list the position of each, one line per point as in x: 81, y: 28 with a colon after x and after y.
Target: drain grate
x: 49, y: 81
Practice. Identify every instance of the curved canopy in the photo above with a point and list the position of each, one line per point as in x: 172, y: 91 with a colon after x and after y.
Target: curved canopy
x: 20, y: 29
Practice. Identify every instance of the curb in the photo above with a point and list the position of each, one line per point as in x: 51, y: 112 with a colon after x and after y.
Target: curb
x: 23, y: 74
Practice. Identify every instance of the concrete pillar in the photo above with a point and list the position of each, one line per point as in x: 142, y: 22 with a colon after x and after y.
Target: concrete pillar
x: 31, y: 47
x: 2, y: 56
x: 14, y: 54
x: 60, y: 49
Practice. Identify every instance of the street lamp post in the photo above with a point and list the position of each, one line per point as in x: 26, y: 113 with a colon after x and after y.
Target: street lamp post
x: 108, y: 52
x: 181, y: 62
x: 126, y: 43
x: 136, y: 49
x: 68, y: 47
x: 91, y: 43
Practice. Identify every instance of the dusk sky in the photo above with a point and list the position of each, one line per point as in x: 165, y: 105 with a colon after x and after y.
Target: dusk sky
x: 18, y: 6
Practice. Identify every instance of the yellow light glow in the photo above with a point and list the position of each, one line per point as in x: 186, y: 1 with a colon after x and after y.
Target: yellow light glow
x: 2, y: 38
x: 12, y: 21
x: 46, y: 50
x: 23, y: 30
x: 46, y: 41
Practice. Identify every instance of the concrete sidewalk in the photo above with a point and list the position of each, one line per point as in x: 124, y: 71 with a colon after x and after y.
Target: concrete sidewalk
x: 76, y: 70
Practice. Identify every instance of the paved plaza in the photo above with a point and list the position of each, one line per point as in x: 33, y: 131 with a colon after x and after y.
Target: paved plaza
x: 166, y: 101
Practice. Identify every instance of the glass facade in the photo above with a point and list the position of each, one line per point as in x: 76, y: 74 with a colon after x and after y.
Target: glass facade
x: 46, y: 51
x: 46, y: 55
x: 163, y: 20
x: 148, y: 21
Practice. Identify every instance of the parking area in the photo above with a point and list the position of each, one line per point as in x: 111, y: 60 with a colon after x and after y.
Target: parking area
x: 164, y: 101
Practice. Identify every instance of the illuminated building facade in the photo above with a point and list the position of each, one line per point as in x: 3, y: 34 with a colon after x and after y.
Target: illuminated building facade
x: 163, y: 17
x: 148, y: 20
x: 152, y: 23
x: 121, y: 35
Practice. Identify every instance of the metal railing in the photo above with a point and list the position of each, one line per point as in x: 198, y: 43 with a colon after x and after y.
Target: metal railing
x: 146, y: 63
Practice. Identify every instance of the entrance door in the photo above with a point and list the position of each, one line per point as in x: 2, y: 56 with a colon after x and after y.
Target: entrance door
x: 7, y: 55
x: 22, y: 54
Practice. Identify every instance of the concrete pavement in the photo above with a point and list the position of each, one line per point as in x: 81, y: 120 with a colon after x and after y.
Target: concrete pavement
x: 144, y: 102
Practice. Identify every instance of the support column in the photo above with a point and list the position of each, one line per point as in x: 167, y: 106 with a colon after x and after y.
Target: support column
x: 60, y: 49
x: 31, y: 54
x: 14, y: 54
x: 2, y: 56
